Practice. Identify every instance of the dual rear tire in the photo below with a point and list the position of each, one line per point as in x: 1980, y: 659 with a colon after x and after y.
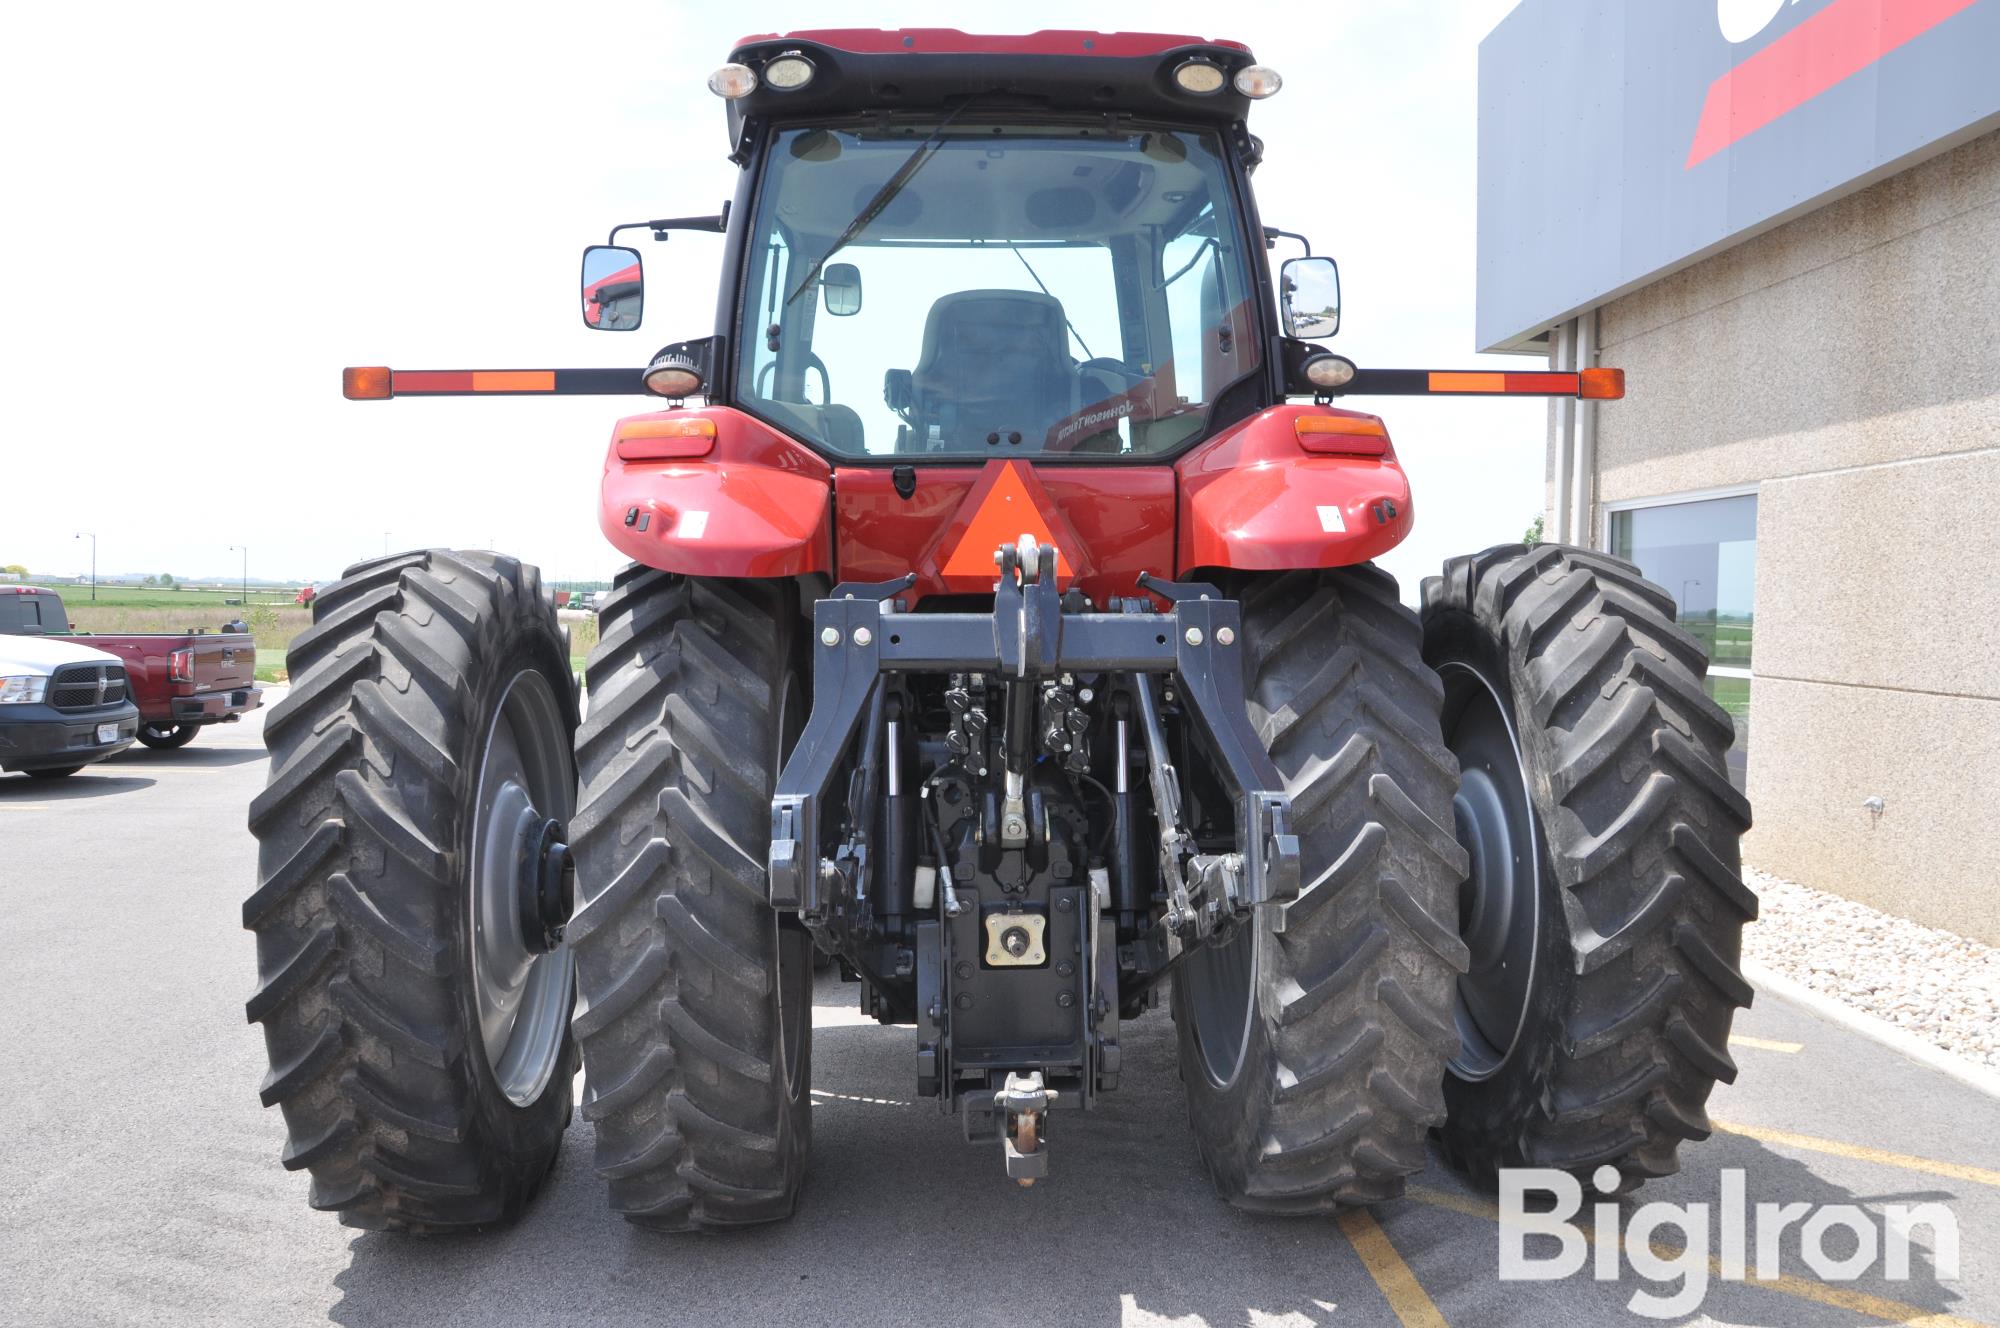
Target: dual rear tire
x: 419, y: 1039
x: 1521, y: 913
x: 1603, y: 833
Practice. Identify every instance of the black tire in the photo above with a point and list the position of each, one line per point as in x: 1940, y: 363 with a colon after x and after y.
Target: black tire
x: 696, y: 1008
x: 53, y: 772
x: 166, y: 737
x: 1622, y: 1028
x: 1344, y: 1048
x: 365, y: 892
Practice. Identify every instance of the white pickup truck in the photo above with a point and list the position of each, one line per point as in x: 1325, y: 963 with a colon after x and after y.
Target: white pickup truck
x: 62, y: 706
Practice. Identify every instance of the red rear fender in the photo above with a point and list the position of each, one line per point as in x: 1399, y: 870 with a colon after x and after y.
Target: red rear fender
x: 754, y: 503
x: 1254, y: 498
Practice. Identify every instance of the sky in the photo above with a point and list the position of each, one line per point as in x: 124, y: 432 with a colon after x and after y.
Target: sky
x: 217, y: 207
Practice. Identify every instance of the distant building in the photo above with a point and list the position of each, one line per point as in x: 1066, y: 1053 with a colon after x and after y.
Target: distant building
x: 1782, y: 220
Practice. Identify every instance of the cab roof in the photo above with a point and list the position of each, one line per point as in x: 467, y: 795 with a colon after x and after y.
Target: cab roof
x: 862, y: 70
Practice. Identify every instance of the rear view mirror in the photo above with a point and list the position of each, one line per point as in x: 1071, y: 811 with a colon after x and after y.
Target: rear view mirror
x: 614, y: 288
x: 841, y: 283
x: 1310, y: 296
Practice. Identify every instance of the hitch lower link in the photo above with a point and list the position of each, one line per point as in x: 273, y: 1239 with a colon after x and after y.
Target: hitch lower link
x: 861, y: 633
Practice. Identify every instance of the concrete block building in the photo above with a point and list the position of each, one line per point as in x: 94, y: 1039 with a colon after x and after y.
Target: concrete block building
x: 1781, y: 218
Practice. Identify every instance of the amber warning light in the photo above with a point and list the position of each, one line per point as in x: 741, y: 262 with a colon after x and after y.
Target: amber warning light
x: 369, y: 384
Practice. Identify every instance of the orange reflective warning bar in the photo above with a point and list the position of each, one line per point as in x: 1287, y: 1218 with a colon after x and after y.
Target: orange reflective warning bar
x: 416, y: 381
x: 1591, y: 384
x: 514, y: 380
x: 379, y: 384
x: 1468, y: 382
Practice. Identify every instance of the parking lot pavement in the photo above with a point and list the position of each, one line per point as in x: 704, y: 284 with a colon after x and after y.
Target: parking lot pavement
x: 139, y: 1178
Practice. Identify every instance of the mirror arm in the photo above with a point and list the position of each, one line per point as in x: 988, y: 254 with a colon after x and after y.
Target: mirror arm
x: 1272, y: 235
x: 661, y: 225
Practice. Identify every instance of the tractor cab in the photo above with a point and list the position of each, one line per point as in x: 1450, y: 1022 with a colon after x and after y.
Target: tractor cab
x: 952, y: 250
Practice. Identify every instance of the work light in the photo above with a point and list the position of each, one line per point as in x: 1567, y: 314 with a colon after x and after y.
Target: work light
x: 1199, y: 77
x: 788, y: 72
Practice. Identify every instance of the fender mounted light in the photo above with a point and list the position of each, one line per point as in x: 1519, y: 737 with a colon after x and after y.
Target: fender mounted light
x: 1329, y: 371
x: 673, y: 375
x: 663, y: 440
x: 1343, y: 435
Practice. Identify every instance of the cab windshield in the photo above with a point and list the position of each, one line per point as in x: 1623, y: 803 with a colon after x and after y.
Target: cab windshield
x: 967, y: 289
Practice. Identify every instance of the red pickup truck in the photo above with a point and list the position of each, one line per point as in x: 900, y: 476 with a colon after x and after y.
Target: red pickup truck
x: 180, y: 681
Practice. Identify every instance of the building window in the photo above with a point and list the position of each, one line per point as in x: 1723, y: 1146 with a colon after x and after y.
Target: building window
x: 1704, y: 552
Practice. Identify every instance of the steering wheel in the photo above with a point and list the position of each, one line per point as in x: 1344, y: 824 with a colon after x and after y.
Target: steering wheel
x: 1116, y: 370
x: 769, y: 371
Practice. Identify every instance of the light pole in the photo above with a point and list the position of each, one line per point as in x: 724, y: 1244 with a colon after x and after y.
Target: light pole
x: 91, y: 535
x: 1690, y: 581
x: 245, y: 550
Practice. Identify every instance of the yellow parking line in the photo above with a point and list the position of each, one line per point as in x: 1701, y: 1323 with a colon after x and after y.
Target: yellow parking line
x: 24, y: 806
x: 1413, y: 1306
x: 1801, y: 1288
x: 1954, y: 1170
x: 1764, y: 1044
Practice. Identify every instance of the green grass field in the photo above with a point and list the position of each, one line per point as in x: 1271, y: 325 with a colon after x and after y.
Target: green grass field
x: 133, y: 597
x: 274, y: 619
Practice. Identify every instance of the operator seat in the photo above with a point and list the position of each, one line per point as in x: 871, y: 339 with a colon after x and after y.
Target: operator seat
x: 993, y: 361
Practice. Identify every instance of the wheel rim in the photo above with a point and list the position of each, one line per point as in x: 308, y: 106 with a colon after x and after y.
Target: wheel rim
x: 1499, y: 904
x: 522, y: 997
x: 1219, y: 991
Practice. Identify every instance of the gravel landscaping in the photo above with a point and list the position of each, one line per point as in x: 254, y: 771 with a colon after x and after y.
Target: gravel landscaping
x: 1940, y: 986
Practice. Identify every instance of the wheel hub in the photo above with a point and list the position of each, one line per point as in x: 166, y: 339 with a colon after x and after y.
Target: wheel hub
x: 545, y: 885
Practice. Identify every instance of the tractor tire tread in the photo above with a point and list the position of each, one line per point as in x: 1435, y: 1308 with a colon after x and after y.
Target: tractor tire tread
x: 1642, y: 828
x: 1357, y: 989
x: 358, y: 978
x: 674, y: 935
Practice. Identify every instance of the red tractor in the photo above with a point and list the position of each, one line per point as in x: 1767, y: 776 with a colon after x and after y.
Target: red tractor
x: 1036, y: 676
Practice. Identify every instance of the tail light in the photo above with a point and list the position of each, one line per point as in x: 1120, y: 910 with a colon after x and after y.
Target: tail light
x: 1344, y: 435
x: 180, y: 665
x: 664, y: 440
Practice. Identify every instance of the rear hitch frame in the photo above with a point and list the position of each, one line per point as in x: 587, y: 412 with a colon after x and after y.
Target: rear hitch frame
x: 862, y: 635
